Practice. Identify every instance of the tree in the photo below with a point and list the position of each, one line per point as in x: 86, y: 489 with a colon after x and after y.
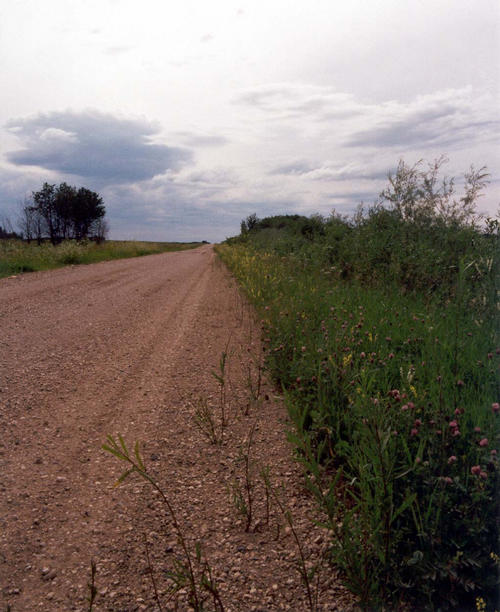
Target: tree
x: 87, y: 209
x: 44, y: 201
x: 63, y: 212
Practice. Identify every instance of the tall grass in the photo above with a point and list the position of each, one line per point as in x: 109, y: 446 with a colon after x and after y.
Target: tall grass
x: 392, y: 383
x: 17, y: 256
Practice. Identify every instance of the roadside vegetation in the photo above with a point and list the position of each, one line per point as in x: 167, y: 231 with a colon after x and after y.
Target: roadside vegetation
x: 17, y: 256
x: 382, y: 331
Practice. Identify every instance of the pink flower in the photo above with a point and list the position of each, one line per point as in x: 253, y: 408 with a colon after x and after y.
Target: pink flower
x: 477, y: 429
x: 458, y: 411
x: 456, y: 432
x: 453, y: 424
x: 483, y: 475
x: 483, y: 442
x: 494, y: 452
x: 452, y: 459
x: 362, y: 354
x: 303, y: 349
x: 418, y: 422
x: 391, y: 355
x: 411, y: 405
x: 404, y: 407
x: 447, y: 480
x: 460, y: 383
x: 476, y: 470
x: 414, y: 432
x: 495, y: 407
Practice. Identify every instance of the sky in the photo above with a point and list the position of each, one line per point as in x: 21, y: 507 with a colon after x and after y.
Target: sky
x: 189, y: 116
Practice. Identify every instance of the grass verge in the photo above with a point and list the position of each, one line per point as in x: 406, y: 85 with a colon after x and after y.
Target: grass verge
x: 392, y: 384
x: 17, y: 256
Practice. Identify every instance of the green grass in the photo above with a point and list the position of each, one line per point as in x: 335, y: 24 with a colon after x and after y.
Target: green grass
x: 374, y: 381
x: 17, y: 257
x: 382, y: 333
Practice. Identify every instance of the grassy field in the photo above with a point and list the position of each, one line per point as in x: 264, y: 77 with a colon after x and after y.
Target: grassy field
x: 382, y: 332
x: 17, y: 256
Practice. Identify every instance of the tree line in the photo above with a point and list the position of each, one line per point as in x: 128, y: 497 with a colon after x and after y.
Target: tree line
x: 63, y: 212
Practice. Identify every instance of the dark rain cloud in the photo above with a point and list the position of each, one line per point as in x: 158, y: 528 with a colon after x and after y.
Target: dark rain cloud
x: 94, y: 145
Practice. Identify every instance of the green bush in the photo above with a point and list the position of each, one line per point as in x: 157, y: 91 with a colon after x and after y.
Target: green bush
x: 382, y: 332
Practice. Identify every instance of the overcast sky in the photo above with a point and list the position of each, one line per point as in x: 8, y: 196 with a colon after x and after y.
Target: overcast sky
x: 188, y: 116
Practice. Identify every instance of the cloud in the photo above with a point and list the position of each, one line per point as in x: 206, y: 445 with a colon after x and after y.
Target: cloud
x: 193, y: 139
x: 298, y: 100
x: 444, y: 119
x: 328, y: 171
x: 94, y: 145
x: 117, y: 50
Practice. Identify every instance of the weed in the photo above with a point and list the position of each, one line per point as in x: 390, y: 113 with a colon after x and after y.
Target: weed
x: 243, y: 494
x: 307, y: 574
x: 91, y: 585
x: 382, y: 332
x: 205, y: 420
x: 191, y: 573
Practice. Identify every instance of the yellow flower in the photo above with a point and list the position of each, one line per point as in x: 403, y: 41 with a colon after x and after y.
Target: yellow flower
x: 413, y: 390
x: 480, y: 604
x: 347, y: 359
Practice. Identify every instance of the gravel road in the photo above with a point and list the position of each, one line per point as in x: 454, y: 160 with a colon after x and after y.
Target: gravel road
x: 129, y: 347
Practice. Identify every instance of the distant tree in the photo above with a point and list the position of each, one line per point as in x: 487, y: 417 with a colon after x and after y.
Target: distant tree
x: 65, y: 197
x: 6, y: 230
x: 45, y: 205
x: 88, y: 208
x: 63, y: 212
x: 100, y: 230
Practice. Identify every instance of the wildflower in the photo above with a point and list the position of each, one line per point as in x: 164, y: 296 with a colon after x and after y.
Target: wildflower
x: 303, y: 349
x: 452, y: 459
x: 495, y: 407
x: 418, y: 460
x: 453, y: 424
x: 490, y: 355
x: 494, y: 452
x: 404, y: 407
x: 460, y: 383
x: 362, y: 354
x: 483, y: 475
x: 456, y: 432
x: 483, y: 442
x: 477, y: 430
x: 475, y: 470
x: 391, y: 355
x: 458, y: 411
x: 411, y: 405
x: 418, y: 422
x: 414, y: 432
x: 447, y: 480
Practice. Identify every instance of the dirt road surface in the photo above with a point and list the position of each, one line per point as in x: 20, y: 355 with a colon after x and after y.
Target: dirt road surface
x: 128, y: 347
